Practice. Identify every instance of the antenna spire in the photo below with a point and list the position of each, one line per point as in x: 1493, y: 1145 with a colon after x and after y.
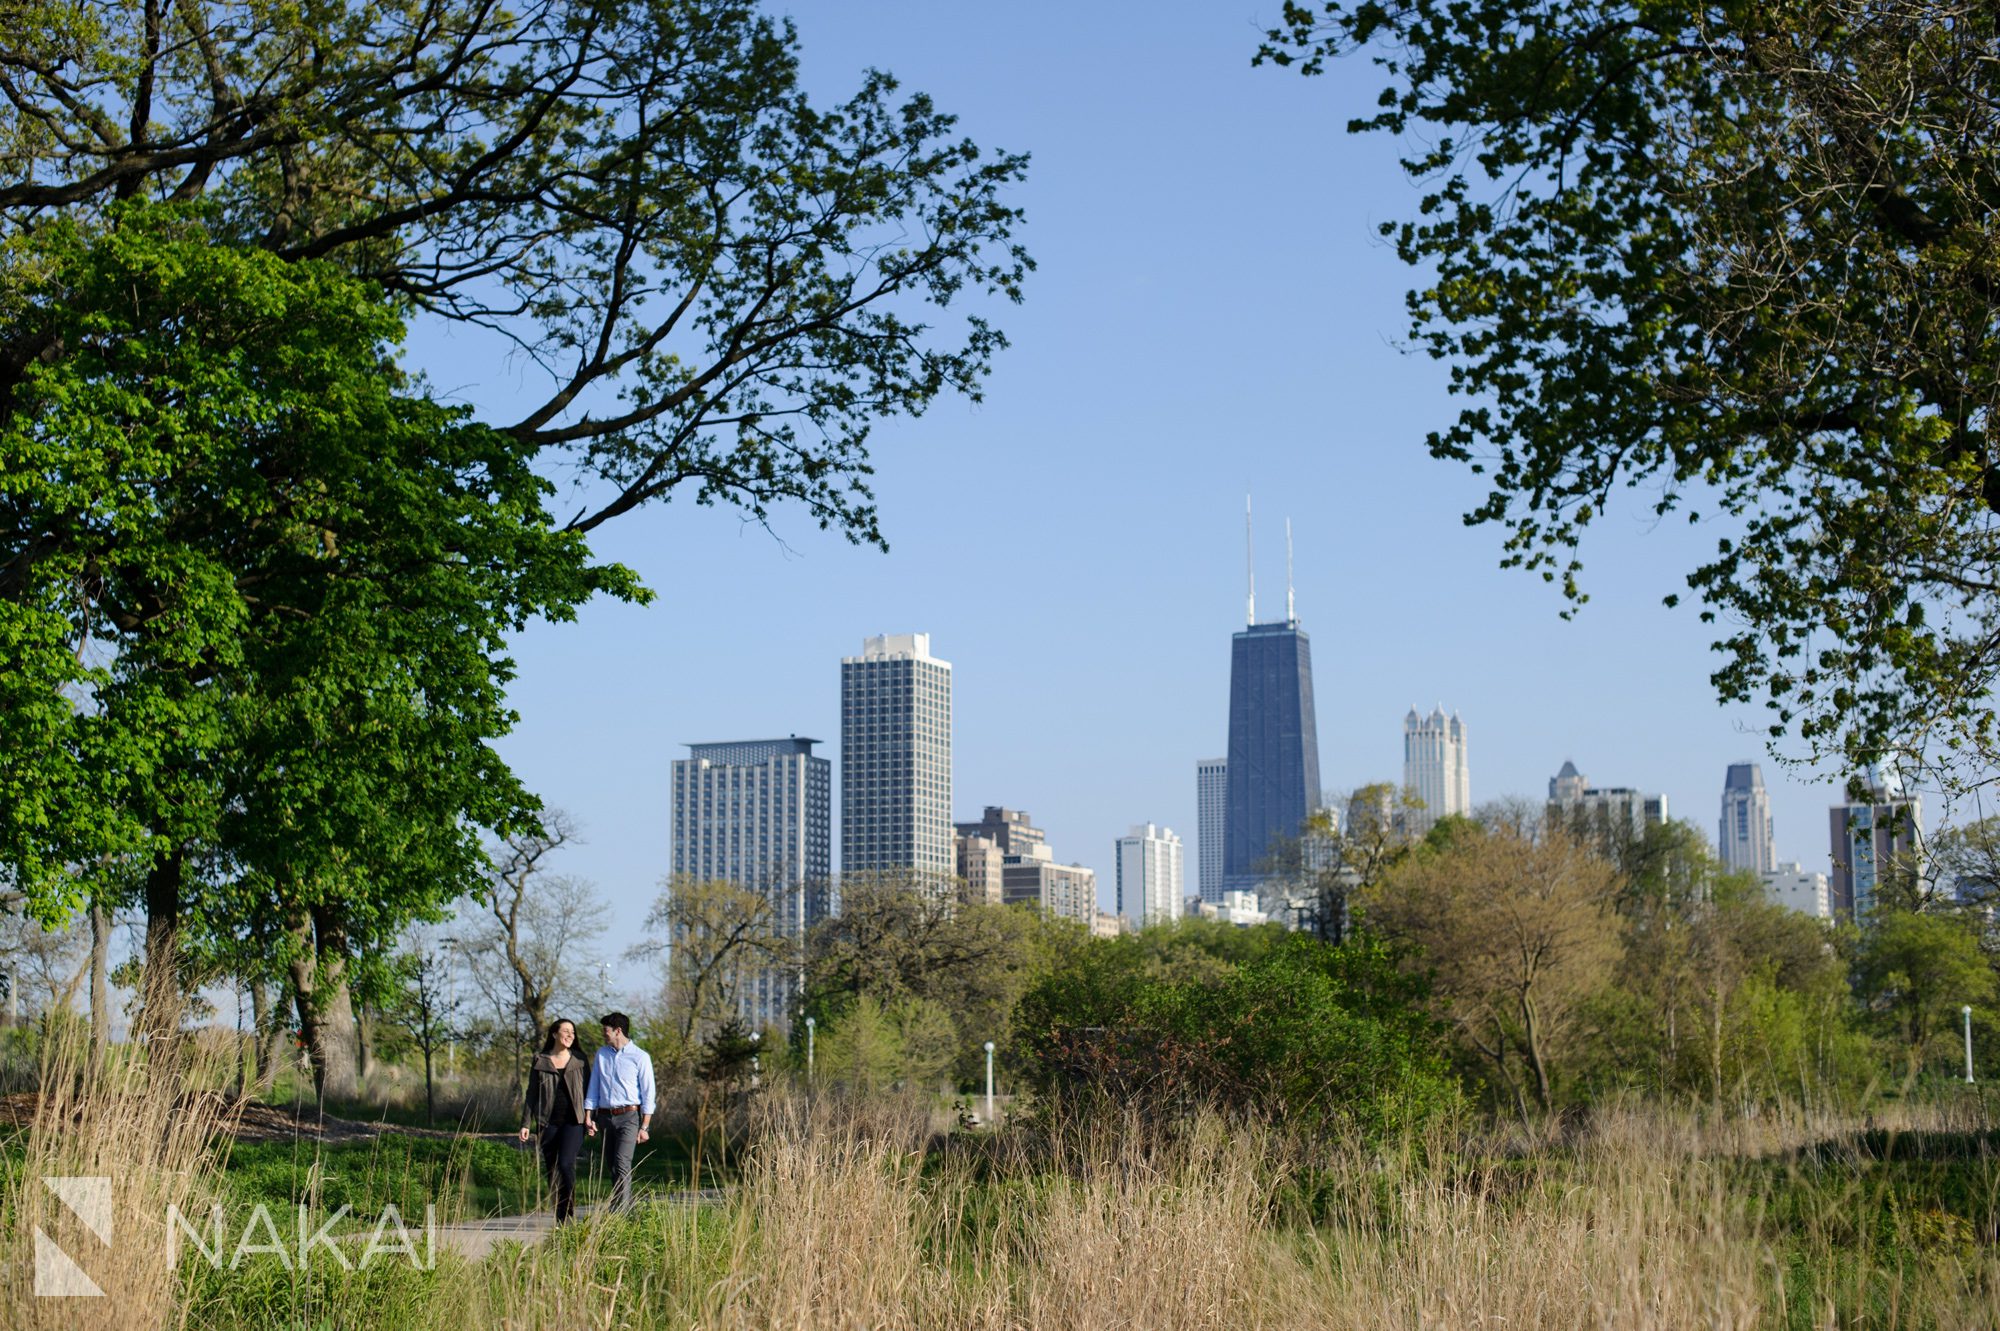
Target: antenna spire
x: 1249, y: 563
x: 1291, y: 611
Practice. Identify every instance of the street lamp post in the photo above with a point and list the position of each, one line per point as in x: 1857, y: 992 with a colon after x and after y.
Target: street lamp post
x: 809, y: 1050
x: 1966, y: 1011
x: 989, y: 1083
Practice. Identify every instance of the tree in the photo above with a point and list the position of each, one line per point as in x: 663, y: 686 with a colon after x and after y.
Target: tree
x: 49, y: 964
x: 1516, y: 935
x: 537, y: 932
x: 1964, y: 865
x: 895, y: 940
x: 427, y: 1007
x: 301, y: 580
x: 726, y: 284
x: 712, y: 939
x: 1917, y: 968
x: 1718, y: 990
x: 1743, y: 258
x: 1338, y: 856
x: 1317, y: 1037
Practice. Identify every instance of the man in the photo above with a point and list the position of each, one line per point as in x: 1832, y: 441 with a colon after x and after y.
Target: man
x: 620, y: 1100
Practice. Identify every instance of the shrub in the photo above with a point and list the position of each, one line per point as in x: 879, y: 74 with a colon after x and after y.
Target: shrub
x: 1315, y: 1037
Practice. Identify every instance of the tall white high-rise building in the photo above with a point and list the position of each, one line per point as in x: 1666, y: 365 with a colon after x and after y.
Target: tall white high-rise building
x: 1211, y: 788
x: 1434, y: 765
x: 757, y: 812
x: 895, y: 759
x: 1149, y: 875
x: 1744, y: 836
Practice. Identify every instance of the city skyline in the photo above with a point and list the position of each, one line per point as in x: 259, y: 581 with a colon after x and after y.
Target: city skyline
x: 1141, y: 397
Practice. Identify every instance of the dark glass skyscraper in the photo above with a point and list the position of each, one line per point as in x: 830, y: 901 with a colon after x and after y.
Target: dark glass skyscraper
x: 1273, y: 773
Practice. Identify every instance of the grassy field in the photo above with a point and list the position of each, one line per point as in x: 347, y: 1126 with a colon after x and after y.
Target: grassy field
x: 847, y: 1215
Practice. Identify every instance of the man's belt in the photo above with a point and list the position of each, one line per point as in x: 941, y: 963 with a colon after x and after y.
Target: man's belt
x: 616, y: 1110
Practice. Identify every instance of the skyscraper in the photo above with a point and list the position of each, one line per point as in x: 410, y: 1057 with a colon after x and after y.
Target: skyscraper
x: 757, y: 812
x: 1744, y: 836
x: 1211, y: 789
x: 1614, y: 817
x: 895, y: 759
x: 1029, y: 873
x: 1272, y: 782
x: 1873, y: 838
x: 1434, y: 765
x: 1149, y: 875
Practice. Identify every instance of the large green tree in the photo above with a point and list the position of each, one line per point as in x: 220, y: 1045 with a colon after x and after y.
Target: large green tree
x: 261, y: 654
x: 1743, y: 258
x: 725, y: 284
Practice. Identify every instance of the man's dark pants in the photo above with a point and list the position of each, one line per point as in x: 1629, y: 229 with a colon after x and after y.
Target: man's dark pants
x: 621, y: 1137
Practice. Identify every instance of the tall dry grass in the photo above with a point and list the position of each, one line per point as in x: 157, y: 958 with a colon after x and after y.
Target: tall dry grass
x: 864, y: 1215
x: 132, y: 1119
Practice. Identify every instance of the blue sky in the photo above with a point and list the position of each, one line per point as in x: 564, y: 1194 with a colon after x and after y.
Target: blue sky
x: 1213, y: 315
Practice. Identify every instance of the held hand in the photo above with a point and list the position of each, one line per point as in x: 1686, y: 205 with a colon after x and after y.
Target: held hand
x: 643, y: 1135
x: 589, y: 1128
x: 524, y: 1134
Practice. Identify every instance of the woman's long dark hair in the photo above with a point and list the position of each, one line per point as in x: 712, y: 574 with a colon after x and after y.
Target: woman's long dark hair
x: 549, y: 1040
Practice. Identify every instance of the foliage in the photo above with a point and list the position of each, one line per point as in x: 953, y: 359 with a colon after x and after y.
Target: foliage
x: 1336, y: 858
x: 726, y: 283
x: 1721, y: 992
x: 268, y: 594
x: 1915, y: 969
x: 873, y: 1047
x: 895, y: 941
x: 728, y: 1054
x: 1316, y: 1037
x: 1517, y: 932
x: 258, y: 599
x: 712, y: 940
x: 1740, y: 257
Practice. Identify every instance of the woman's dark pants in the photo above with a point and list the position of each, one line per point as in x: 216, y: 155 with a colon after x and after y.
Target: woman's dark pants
x: 559, y: 1144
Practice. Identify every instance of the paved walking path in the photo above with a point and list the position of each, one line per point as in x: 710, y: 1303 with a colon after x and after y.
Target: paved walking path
x: 476, y: 1239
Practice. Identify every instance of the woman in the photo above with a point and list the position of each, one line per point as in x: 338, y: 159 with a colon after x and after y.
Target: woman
x: 555, y: 1111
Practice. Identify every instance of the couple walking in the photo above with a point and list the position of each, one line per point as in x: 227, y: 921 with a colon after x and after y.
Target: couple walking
x: 564, y: 1105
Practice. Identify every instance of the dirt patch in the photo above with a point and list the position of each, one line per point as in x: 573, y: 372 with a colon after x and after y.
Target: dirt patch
x: 255, y: 1121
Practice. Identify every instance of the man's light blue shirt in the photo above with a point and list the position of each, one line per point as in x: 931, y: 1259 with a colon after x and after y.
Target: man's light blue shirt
x: 620, y: 1077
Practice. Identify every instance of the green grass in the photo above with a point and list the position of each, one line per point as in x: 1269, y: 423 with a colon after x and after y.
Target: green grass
x: 466, y: 1176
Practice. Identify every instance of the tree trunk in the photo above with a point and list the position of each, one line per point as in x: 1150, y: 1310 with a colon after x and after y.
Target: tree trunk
x: 1715, y: 1045
x: 326, y: 1016
x: 100, y: 985
x: 341, y: 1046
x: 430, y: 1088
x: 364, y: 1042
x: 267, y: 1010
x: 1537, y: 1064
x: 159, y: 983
